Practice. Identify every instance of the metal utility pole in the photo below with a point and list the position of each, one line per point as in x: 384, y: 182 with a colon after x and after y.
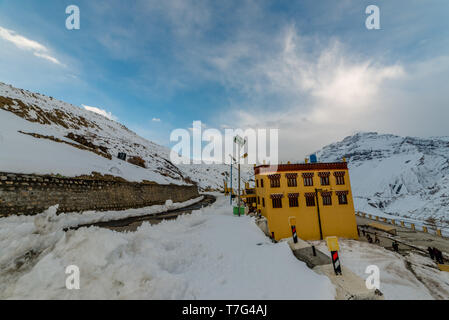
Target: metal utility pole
x: 230, y: 196
x: 240, y: 143
x: 318, y: 210
x: 239, y: 186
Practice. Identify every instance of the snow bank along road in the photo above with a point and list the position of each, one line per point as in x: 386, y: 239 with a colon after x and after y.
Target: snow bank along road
x: 132, y: 223
x: 209, y: 254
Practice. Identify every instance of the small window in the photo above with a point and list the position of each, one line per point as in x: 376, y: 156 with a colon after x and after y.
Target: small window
x: 277, y: 203
x: 308, y: 181
x: 292, y: 182
x: 324, y: 181
x: 342, y: 199
x: 257, y: 183
x: 261, y: 183
x: 263, y: 202
x: 275, y: 183
x: 310, y: 201
x: 293, y: 202
x: 327, y: 200
x: 340, y: 180
x: 258, y: 200
x: 340, y: 177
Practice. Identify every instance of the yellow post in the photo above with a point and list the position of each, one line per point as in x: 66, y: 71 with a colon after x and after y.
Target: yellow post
x: 384, y: 219
x: 443, y: 267
x: 369, y: 216
x: 412, y: 226
x: 377, y: 218
x: 393, y: 222
x: 424, y: 229
x: 332, y: 243
x: 402, y: 223
x: 439, y: 232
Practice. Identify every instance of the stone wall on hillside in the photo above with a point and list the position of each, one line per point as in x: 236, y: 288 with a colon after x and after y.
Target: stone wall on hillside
x: 31, y: 194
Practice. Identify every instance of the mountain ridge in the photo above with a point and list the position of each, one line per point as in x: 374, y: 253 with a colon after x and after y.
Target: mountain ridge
x: 390, y: 174
x: 43, y: 135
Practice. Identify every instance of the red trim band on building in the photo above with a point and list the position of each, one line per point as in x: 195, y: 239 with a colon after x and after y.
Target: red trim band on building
x: 301, y: 167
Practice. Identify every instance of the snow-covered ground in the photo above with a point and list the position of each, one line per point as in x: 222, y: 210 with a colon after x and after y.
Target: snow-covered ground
x: 396, y: 176
x: 397, y: 281
x: 209, y: 254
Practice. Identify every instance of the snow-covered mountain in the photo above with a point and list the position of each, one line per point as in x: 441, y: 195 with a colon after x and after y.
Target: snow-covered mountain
x: 42, y: 135
x: 403, y: 176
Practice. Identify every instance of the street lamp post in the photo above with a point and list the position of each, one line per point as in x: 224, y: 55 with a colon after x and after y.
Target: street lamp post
x: 232, y: 159
x: 240, y: 143
x: 230, y: 196
x: 318, y: 210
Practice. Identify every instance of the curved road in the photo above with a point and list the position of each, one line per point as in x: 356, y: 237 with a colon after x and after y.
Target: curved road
x: 132, y: 223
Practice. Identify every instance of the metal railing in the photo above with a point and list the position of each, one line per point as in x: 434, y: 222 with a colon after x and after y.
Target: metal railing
x: 415, y: 225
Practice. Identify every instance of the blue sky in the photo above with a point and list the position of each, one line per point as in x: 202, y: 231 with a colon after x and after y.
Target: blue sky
x: 309, y: 68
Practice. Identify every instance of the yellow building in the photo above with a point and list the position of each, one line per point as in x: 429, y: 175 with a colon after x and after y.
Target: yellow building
x: 249, y: 197
x: 317, y: 194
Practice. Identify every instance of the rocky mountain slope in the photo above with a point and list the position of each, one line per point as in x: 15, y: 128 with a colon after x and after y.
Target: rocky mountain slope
x: 42, y: 135
x: 395, y: 175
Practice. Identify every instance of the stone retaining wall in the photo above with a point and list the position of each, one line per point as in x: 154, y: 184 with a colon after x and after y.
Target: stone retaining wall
x: 32, y: 194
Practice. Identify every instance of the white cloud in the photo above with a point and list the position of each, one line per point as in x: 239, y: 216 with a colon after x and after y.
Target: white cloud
x: 24, y: 43
x: 102, y: 112
x: 156, y: 120
x: 314, y: 93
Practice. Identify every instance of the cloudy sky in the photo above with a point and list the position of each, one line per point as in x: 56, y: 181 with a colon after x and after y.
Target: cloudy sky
x: 309, y: 68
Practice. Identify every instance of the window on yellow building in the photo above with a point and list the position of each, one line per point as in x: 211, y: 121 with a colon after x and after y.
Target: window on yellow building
x: 308, y: 179
x: 339, y: 177
x: 293, y: 200
x: 342, y: 197
x: 263, y: 202
x: 257, y: 183
x: 324, y: 178
x: 275, y: 180
x: 277, y: 203
x: 310, y: 199
x: 327, y: 198
x: 261, y: 183
x: 277, y: 200
x: 258, y: 200
x: 292, y: 179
